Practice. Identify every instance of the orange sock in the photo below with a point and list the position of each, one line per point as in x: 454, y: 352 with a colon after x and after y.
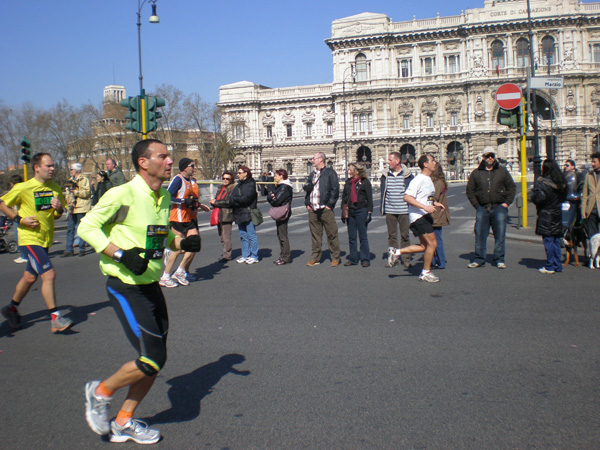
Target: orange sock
x: 123, y: 417
x: 102, y: 391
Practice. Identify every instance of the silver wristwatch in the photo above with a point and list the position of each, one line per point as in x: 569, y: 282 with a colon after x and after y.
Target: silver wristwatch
x: 118, y: 256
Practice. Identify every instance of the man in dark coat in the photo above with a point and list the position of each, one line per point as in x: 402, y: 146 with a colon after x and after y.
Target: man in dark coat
x: 490, y: 190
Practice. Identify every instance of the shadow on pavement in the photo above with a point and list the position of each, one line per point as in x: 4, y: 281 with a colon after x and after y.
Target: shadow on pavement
x: 187, y: 391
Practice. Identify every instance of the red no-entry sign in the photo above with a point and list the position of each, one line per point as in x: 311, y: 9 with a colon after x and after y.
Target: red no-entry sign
x: 508, y: 96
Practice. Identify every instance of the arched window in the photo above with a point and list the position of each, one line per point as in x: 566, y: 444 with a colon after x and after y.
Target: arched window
x: 361, y: 68
x: 522, y: 53
x: 549, y: 50
x: 497, y: 49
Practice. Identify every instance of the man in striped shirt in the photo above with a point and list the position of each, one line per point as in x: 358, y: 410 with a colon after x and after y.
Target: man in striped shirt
x: 393, y: 206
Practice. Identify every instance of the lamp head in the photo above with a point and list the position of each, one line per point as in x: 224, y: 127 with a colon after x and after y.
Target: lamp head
x: 154, y: 18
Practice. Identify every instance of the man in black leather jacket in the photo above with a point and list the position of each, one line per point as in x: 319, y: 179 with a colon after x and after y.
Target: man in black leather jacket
x: 322, y: 193
x: 490, y: 190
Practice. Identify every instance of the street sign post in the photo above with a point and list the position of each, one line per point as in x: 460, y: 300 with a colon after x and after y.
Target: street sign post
x: 508, y: 96
x: 546, y: 82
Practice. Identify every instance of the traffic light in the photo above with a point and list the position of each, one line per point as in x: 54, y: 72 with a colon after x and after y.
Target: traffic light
x: 152, y: 105
x: 26, y: 150
x: 133, y: 116
x: 510, y: 118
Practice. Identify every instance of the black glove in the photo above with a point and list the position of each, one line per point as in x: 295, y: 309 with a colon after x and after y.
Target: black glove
x: 190, y: 244
x: 133, y: 261
x: 369, y: 217
x: 343, y: 220
x: 190, y: 202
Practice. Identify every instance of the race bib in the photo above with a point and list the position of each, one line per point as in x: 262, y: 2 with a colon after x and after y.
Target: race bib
x: 156, y: 240
x: 43, y: 200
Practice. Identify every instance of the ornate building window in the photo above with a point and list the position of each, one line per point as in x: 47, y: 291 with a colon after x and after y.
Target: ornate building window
x: 363, y: 122
x: 238, y: 131
x: 429, y: 119
x: 309, y: 128
x: 289, y: 130
x: 406, y: 122
x: 289, y: 167
x: 361, y: 68
x: 453, y: 119
x: 428, y: 65
x: 595, y: 53
x: 497, y: 49
x: 405, y: 68
x: 548, y: 51
x: 522, y: 53
x: 329, y: 128
x: 452, y: 63
x: 269, y: 131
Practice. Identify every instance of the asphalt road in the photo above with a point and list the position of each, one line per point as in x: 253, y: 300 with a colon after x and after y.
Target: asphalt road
x: 293, y: 357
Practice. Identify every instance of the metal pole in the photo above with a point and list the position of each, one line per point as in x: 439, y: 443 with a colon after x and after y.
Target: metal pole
x: 139, y: 29
x: 537, y: 161
x: 345, y: 137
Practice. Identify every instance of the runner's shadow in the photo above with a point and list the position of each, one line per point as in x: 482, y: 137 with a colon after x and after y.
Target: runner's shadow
x: 187, y: 391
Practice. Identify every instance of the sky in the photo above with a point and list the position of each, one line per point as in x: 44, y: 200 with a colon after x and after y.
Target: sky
x: 55, y: 50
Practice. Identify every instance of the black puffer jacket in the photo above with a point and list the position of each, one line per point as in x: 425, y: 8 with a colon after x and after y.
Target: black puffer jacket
x: 490, y: 187
x: 243, y: 197
x: 547, y: 199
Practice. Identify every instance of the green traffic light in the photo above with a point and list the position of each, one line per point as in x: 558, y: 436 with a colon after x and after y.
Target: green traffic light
x: 25, y: 150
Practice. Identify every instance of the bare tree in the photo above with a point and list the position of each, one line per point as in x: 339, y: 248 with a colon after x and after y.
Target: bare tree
x: 15, y: 123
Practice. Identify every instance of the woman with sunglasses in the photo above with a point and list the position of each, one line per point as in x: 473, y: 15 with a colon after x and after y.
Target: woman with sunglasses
x: 243, y: 198
x: 222, y: 201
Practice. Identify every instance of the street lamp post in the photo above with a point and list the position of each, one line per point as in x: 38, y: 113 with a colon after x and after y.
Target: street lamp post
x: 537, y: 161
x: 345, y: 136
x: 153, y: 19
x: 598, y: 127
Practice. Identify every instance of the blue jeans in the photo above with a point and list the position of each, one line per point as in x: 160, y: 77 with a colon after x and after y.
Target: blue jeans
x: 497, y: 218
x: 72, y: 225
x: 439, y: 258
x: 553, y: 254
x: 357, y: 225
x: 249, y: 240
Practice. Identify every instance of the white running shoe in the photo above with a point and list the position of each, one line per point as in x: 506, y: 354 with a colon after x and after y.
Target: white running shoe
x: 135, y: 430
x: 429, y: 277
x: 251, y: 260
x: 167, y: 282
x: 96, y: 409
x: 180, y: 278
x: 20, y: 260
x: 241, y: 260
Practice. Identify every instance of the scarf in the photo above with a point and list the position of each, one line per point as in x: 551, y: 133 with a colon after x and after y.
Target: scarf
x: 353, y: 196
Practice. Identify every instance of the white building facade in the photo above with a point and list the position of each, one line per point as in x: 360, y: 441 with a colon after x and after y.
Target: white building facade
x: 428, y: 86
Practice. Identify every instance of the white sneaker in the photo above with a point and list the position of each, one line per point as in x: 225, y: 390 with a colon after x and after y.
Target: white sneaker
x: 167, y: 282
x: 429, y: 277
x: 251, y: 260
x: 134, y: 430
x: 241, y: 260
x: 180, y: 278
x: 546, y: 271
x: 501, y: 265
x: 20, y: 260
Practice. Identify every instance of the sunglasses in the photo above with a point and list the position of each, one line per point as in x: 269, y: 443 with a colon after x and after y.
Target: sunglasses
x: 226, y: 178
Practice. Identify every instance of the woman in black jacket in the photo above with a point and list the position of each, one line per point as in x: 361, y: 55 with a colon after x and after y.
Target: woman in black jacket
x: 243, y: 198
x: 548, y: 194
x: 282, y: 196
x: 358, y: 195
x: 103, y: 184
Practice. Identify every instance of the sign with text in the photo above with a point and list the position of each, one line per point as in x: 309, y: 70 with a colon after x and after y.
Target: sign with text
x: 546, y: 82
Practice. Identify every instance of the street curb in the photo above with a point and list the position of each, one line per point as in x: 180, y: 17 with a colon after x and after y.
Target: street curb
x: 529, y: 239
